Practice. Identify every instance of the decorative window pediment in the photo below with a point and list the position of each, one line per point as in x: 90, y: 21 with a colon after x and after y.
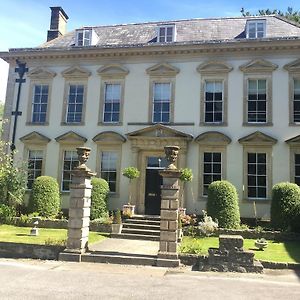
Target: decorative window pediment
x: 109, y: 137
x: 213, y: 67
x: 35, y: 138
x: 258, y: 66
x: 113, y: 70
x: 160, y: 131
x: 162, y: 69
x: 41, y: 73
x: 213, y: 138
x: 71, y: 137
x: 258, y: 139
x: 293, y: 67
x: 294, y: 141
x: 76, y: 72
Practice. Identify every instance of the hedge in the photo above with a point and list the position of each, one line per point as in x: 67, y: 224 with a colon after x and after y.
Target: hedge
x: 222, y: 204
x: 285, y: 206
x: 99, y: 198
x: 45, y: 198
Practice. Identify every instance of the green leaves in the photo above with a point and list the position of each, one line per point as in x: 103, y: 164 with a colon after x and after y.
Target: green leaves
x: 131, y: 172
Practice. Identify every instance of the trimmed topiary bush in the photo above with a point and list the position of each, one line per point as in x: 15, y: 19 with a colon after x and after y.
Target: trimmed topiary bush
x: 45, y: 198
x: 222, y: 204
x: 99, y: 198
x: 285, y: 206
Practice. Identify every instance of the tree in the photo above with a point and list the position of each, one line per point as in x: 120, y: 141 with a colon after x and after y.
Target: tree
x: 290, y: 14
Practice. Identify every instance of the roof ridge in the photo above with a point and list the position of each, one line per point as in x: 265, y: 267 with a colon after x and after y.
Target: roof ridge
x: 178, y: 20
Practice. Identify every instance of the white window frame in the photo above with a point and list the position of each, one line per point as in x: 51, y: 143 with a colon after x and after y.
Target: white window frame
x: 295, y: 100
x: 257, y: 101
x: 165, y: 36
x: 117, y: 153
x: 155, y: 83
x: 76, y: 104
x: 112, y: 102
x: 39, y: 104
x: 211, y: 163
x: 213, y: 101
x: 63, y: 167
x: 255, y: 23
x: 86, y: 37
x: 36, y: 172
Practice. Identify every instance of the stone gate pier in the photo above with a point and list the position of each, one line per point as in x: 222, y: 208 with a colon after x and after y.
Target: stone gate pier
x: 167, y: 254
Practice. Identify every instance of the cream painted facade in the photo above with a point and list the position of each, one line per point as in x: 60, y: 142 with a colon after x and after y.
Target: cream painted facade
x: 136, y: 137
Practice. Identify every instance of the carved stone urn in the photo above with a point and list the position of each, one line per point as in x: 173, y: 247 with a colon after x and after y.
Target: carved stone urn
x: 171, y: 156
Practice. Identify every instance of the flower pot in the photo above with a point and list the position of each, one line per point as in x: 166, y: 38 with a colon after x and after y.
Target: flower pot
x: 261, y: 245
x: 116, y: 228
x: 128, y: 210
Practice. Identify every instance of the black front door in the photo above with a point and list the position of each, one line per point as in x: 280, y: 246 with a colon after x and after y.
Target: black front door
x: 152, y: 192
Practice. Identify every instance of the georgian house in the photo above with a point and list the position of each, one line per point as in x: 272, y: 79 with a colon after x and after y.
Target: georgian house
x: 226, y: 90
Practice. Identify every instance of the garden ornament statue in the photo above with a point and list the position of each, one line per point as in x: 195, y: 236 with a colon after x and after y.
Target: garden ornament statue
x: 171, y: 156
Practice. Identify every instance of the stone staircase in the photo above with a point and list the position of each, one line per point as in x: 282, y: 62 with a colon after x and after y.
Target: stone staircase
x: 140, y: 227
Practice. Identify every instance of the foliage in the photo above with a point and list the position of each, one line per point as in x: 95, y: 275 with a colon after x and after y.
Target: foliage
x: 222, y: 204
x: 290, y: 14
x: 191, y: 246
x: 7, y: 214
x: 188, y: 219
x: 117, y: 217
x: 26, y: 219
x: 45, y: 198
x: 207, y: 227
x: 285, y: 205
x: 99, y: 198
x: 131, y: 173
x: 55, y: 242
x: 186, y: 175
x: 12, y: 179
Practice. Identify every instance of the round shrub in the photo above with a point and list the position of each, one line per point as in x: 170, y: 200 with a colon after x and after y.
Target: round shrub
x: 45, y: 198
x: 222, y: 204
x: 285, y: 205
x: 99, y: 198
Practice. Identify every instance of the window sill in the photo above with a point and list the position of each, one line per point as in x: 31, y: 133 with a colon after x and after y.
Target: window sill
x: 257, y: 124
x: 37, y: 124
x: 114, y: 195
x: 257, y: 200
x: 167, y: 124
x: 110, y: 124
x: 223, y: 124
x: 72, y: 124
x: 293, y: 124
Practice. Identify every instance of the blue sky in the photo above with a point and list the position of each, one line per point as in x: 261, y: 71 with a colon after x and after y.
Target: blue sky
x: 24, y: 23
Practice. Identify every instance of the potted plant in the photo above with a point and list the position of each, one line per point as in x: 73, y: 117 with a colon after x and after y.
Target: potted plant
x: 128, y: 210
x: 186, y: 176
x: 117, y: 222
x: 131, y: 173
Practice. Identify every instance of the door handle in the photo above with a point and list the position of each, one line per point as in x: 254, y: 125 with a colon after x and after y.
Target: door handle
x: 152, y: 194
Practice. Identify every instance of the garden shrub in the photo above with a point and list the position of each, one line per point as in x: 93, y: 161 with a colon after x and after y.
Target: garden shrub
x: 99, y: 198
x: 7, y: 214
x: 285, y: 205
x: 45, y: 198
x: 222, y: 204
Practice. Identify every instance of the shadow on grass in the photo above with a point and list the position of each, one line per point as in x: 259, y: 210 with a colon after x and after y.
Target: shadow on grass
x: 293, y: 248
x: 22, y: 234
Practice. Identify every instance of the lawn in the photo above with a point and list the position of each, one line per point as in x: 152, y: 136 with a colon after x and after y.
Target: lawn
x: 276, y: 251
x: 15, y: 234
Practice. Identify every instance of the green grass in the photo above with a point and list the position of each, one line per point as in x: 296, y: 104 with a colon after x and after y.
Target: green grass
x: 276, y: 251
x: 9, y: 233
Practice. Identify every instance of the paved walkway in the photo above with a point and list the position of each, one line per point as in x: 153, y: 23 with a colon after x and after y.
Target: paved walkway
x: 124, y: 246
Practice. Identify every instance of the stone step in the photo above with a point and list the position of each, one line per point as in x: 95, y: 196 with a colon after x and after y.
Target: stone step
x: 140, y: 231
x: 142, y: 221
x: 146, y: 217
x: 141, y: 226
x: 123, y: 259
x: 135, y: 236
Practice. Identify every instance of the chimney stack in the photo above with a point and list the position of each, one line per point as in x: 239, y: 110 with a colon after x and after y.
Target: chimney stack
x: 58, y: 23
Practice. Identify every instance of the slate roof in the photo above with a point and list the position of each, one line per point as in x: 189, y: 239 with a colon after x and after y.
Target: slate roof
x: 187, y: 31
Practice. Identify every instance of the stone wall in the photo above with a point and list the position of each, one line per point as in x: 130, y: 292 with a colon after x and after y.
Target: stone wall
x: 18, y: 250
